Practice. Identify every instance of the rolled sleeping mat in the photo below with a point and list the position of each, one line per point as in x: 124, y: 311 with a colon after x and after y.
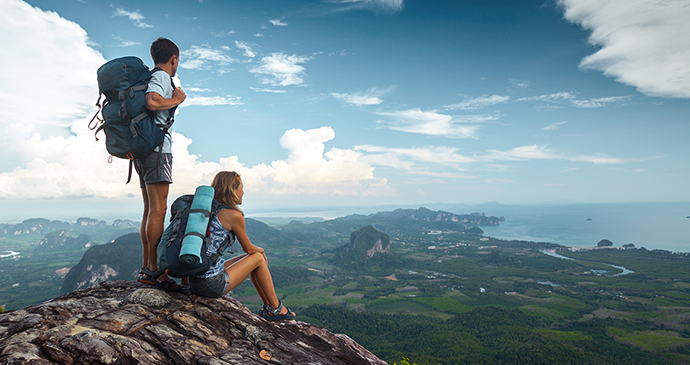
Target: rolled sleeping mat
x: 197, y: 224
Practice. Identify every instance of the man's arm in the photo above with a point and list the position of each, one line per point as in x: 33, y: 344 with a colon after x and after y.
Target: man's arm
x: 155, y: 102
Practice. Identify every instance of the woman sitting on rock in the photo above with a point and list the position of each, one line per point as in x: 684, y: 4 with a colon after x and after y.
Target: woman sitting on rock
x: 225, y: 275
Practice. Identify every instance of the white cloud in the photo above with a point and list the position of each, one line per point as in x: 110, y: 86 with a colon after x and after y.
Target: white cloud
x: 205, y: 58
x: 421, y: 160
x: 443, y: 175
x: 597, y: 159
x: 479, y: 102
x: 307, y: 170
x: 551, y: 98
x: 31, y: 36
x: 72, y: 167
x: 264, y: 90
x: 531, y: 152
x: 522, y: 84
x: 258, y: 35
x: 405, y: 157
x: 124, y: 42
x: 198, y: 89
x: 212, y: 100
x: 553, y: 126
x: 375, y: 5
x: 571, y: 97
x: 599, y: 102
x: 281, y: 69
x: 248, y: 52
x: 644, y: 43
x: 498, y: 181
x: 134, y: 16
x: 536, y: 152
x: 278, y: 22
x: 369, y: 97
x: 436, y: 124
x: 224, y: 34
x: 341, y: 53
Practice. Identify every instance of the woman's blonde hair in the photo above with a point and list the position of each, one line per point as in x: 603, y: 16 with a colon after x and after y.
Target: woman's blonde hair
x: 225, y: 184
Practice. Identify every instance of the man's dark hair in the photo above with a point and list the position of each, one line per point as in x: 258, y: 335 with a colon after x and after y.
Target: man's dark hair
x: 162, y: 49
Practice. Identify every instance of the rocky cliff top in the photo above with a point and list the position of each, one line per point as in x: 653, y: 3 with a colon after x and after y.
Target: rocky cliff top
x: 125, y: 322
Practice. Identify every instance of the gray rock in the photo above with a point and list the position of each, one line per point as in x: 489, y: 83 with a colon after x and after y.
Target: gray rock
x: 125, y: 322
x: 148, y: 297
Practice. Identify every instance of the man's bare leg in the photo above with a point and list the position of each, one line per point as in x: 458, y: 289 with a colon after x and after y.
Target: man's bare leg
x: 157, y: 194
x: 142, y: 229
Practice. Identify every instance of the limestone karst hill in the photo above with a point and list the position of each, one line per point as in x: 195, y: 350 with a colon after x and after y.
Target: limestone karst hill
x: 368, y: 249
x: 125, y: 322
x: 365, y: 243
x: 117, y: 260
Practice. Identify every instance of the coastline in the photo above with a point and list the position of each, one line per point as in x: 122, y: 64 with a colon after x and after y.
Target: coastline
x: 650, y: 225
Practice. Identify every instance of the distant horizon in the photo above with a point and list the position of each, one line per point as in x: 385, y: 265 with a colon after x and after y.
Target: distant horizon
x: 306, y: 211
x: 650, y: 225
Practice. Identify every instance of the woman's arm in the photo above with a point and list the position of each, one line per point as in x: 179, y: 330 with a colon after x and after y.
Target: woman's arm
x: 233, y: 220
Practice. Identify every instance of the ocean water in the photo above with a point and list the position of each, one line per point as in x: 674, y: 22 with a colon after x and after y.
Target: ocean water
x: 649, y: 225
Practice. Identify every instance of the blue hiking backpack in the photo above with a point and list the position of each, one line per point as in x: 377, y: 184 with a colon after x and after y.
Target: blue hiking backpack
x: 130, y: 129
x: 169, y: 245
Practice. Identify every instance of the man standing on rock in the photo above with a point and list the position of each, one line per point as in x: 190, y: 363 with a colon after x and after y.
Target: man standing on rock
x: 155, y: 170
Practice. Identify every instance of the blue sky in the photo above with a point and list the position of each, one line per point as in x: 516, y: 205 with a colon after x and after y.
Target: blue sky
x: 361, y: 102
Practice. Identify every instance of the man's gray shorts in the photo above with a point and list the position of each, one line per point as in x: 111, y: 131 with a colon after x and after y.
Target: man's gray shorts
x: 148, y: 170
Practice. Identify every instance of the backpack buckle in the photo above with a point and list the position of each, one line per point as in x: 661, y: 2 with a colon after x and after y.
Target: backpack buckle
x: 130, y: 156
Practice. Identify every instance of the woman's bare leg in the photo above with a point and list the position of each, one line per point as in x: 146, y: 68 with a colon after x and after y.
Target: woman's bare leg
x: 254, y: 264
x: 258, y: 288
x: 252, y: 276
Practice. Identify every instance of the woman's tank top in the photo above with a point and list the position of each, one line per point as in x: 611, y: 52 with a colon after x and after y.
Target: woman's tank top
x: 218, y: 235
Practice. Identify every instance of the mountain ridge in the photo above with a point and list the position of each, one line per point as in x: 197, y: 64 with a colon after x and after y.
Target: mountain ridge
x: 393, y: 223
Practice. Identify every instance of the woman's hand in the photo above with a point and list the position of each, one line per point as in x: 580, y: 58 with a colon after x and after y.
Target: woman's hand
x: 256, y: 249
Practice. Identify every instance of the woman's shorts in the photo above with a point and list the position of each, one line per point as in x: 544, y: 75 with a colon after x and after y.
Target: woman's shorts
x: 212, y: 287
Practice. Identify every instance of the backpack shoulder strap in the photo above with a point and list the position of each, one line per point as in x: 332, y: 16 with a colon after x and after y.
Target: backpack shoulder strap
x: 171, y: 117
x: 156, y: 69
